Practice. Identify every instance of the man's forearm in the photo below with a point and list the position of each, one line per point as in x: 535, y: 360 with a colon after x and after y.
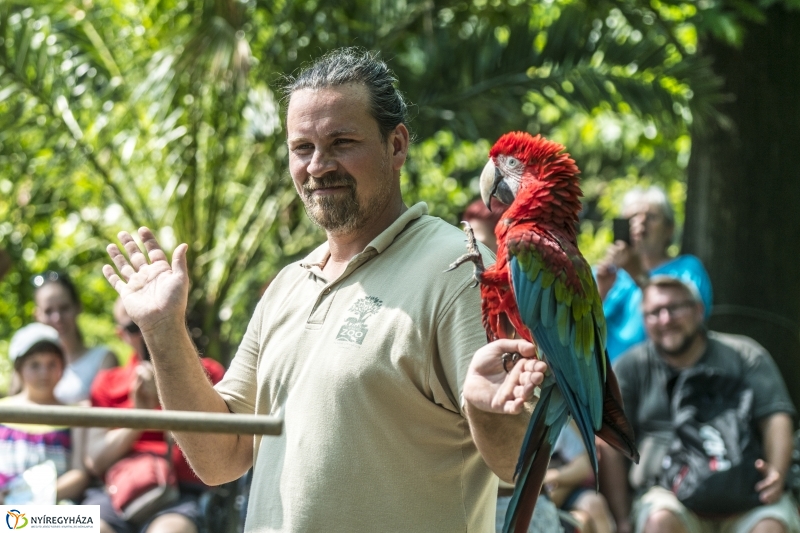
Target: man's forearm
x: 498, y: 438
x: 778, y: 443
x: 183, y: 386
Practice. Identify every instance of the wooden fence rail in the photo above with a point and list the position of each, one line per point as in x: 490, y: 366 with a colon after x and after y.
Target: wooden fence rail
x: 191, y: 421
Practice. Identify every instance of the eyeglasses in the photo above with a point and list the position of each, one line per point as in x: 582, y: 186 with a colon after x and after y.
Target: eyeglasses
x: 653, y: 217
x: 46, y: 277
x: 673, y: 310
x: 131, y: 328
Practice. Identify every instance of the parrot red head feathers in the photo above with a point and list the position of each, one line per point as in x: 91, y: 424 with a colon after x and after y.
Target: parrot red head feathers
x: 533, y: 176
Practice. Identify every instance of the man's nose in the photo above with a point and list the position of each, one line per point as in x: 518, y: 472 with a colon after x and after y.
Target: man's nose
x: 320, y: 164
x: 665, y: 315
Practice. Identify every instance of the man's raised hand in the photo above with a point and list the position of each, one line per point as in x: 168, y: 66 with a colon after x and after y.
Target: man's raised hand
x: 153, y: 292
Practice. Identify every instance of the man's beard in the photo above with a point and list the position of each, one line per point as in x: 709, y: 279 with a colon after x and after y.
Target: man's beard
x: 683, y: 347
x: 342, y: 213
x: 337, y: 213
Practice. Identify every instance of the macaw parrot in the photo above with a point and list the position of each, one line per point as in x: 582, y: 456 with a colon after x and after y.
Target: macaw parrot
x: 542, y: 290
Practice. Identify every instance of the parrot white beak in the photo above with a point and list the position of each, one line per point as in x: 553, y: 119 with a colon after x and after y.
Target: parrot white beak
x: 490, y: 177
x: 493, y: 183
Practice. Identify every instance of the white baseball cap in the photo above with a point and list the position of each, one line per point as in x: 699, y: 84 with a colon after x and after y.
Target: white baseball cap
x: 25, y: 338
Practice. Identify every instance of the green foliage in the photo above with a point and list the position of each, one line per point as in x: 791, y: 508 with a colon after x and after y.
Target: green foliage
x: 167, y: 113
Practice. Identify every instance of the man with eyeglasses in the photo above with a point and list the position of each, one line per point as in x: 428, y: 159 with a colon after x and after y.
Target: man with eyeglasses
x: 677, y: 340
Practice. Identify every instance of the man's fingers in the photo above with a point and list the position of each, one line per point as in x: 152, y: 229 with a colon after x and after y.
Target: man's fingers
x: 113, y: 278
x: 522, y: 347
x: 179, y: 264
x: 770, y: 495
x: 121, y: 262
x: 154, y: 250
x: 535, y: 366
x: 506, y: 390
x: 513, y: 407
x: 135, y: 255
x: 524, y: 392
x: 521, y: 381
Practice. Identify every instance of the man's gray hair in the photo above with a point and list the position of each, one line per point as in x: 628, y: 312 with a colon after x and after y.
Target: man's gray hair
x: 356, y: 65
x: 653, y: 196
x: 673, y: 282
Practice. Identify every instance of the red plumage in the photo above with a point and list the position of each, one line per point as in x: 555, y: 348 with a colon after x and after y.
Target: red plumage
x: 549, y: 201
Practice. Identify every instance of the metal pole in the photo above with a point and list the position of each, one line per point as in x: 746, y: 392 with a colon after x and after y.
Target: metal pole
x: 191, y: 421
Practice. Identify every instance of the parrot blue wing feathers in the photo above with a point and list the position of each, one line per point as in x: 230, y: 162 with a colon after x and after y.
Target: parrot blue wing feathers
x: 547, y: 314
x: 552, y: 322
x: 555, y: 353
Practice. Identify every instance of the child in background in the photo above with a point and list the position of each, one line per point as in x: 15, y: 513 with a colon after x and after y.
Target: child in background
x: 29, y: 452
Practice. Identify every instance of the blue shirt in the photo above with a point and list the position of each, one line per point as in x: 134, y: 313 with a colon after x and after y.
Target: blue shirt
x: 623, y: 303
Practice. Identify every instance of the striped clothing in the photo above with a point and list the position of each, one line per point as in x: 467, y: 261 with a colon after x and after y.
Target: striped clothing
x: 25, y: 445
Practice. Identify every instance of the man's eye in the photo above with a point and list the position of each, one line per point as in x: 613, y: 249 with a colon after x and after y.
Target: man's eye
x: 343, y: 141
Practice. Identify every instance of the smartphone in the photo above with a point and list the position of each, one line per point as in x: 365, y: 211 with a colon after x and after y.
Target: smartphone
x: 622, y: 230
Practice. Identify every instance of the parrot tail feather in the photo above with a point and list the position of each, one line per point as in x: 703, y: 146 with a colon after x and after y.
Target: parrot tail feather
x: 616, y: 430
x: 532, y: 466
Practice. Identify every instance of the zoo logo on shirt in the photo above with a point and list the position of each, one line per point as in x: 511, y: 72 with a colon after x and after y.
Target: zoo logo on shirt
x: 355, y: 328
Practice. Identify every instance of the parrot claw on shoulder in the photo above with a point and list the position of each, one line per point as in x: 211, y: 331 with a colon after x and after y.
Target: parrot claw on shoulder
x: 473, y: 255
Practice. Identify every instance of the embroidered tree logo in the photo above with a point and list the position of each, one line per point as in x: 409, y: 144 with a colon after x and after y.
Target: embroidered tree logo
x: 355, y: 328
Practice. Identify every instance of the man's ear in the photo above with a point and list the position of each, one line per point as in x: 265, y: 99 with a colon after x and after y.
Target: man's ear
x: 399, y: 139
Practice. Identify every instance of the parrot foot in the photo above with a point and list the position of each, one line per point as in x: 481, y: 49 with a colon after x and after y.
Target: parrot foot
x: 473, y: 255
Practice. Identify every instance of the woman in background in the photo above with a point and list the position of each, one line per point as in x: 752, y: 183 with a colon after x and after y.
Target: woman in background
x: 58, y: 306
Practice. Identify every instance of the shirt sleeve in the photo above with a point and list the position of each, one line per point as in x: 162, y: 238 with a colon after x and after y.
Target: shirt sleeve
x: 770, y: 395
x: 619, y: 292
x: 459, y: 334
x: 238, y: 386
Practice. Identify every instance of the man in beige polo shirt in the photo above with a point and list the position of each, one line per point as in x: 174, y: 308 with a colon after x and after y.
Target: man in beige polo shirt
x: 393, y: 406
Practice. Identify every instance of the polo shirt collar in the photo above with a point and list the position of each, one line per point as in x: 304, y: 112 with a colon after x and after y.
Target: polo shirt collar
x: 317, y: 258
x: 387, y: 237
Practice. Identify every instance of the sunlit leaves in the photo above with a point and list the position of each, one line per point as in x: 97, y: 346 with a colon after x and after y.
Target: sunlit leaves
x: 115, y: 114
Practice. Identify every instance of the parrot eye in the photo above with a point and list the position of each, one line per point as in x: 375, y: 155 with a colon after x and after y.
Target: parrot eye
x: 512, y: 162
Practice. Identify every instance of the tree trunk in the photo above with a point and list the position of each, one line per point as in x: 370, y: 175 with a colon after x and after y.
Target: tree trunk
x: 743, y: 199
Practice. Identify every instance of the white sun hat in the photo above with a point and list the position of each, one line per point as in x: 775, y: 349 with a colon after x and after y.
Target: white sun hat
x: 25, y: 338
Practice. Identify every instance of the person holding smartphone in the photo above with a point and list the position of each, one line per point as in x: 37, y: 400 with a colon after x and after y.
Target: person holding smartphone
x: 635, y: 256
